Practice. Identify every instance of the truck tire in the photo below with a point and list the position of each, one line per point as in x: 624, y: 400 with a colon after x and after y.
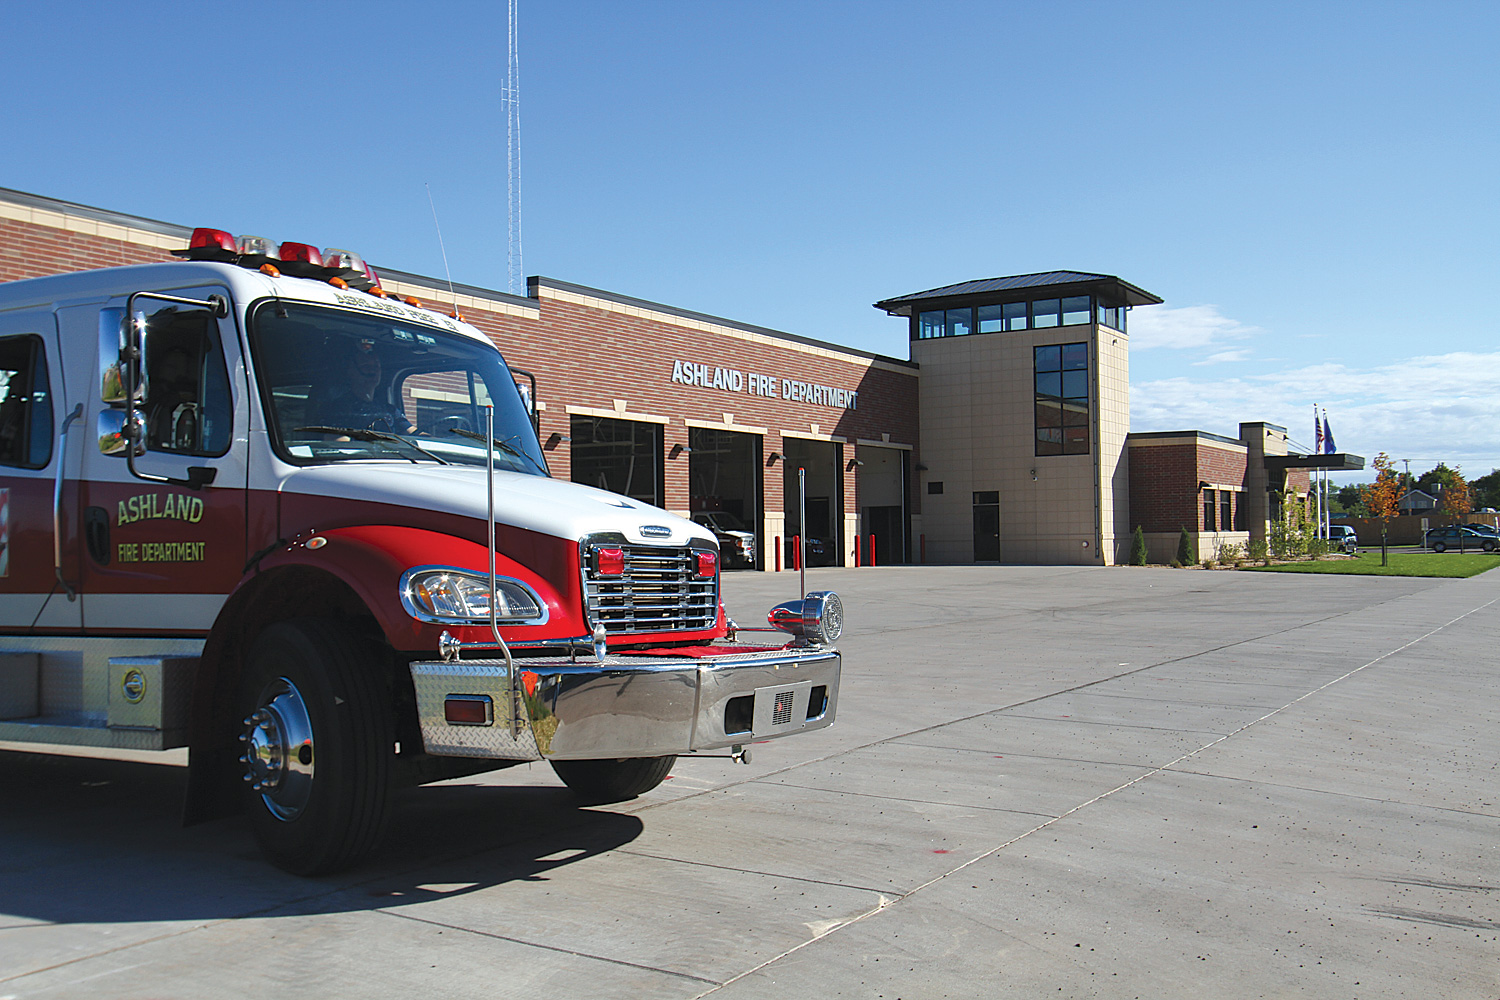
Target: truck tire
x: 317, y: 745
x: 613, y: 780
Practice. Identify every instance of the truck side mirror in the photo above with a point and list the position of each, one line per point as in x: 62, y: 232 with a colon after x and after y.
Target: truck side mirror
x: 113, y: 434
x: 111, y: 356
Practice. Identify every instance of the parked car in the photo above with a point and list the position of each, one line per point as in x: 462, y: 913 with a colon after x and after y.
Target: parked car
x: 736, y: 542
x: 1460, y: 536
x: 1342, y: 536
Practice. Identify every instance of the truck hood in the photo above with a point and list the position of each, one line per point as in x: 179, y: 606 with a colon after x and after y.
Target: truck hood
x: 549, y: 506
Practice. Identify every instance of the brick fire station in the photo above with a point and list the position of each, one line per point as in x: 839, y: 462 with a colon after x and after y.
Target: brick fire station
x: 1003, y: 437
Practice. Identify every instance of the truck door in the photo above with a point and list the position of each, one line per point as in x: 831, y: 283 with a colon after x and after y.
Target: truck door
x: 37, y: 568
x: 164, y: 543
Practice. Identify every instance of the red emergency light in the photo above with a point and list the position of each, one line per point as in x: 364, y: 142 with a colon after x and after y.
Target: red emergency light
x: 610, y: 562
x: 209, y: 244
x: 303, y: 260
x: 708, y: 564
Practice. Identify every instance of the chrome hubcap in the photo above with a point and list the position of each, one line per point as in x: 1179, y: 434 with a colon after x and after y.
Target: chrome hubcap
x: 278, y: 758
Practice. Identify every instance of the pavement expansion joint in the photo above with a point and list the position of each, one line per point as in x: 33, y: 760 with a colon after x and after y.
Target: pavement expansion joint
x: 548, y: 947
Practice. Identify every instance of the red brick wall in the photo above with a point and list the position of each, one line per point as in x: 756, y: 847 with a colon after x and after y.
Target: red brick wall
x: 1164, y: 487
x: 1164, y: 478
x: 31, y: 251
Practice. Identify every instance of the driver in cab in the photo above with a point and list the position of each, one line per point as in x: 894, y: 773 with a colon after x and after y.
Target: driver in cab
x: 357, y: 403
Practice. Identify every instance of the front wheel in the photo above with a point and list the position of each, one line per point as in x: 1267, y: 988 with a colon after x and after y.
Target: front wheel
x: 317, y: 742
x: 1438, y: 546
x: 613, y: 780
x: 1488, y: 546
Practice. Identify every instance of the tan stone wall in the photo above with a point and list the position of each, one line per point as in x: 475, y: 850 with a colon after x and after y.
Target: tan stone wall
x: 977, y: 398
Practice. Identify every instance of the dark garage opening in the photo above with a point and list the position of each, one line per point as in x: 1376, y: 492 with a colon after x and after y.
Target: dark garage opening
x: 724, y: 484
x: 823, y: 461
x: 622, y: 456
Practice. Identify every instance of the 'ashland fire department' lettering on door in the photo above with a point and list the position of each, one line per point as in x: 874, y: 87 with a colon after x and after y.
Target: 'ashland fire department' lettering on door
x: 160, y: 506
x: 148, y: 506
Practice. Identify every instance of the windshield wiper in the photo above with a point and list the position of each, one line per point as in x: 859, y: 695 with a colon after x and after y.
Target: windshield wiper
x: 504, y: 446
x: 365, y: 434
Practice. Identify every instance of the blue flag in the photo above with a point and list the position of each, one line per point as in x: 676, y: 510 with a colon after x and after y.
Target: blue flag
x: 1328, y: 448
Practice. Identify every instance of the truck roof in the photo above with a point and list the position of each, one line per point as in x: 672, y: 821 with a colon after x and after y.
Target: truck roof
x: 245, y: 285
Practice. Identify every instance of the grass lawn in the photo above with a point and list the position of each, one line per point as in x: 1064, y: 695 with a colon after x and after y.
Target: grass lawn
x: 1400, y: 564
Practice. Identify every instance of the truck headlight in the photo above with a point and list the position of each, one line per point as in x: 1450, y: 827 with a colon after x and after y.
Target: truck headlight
x: 457, y: 597
x: 818, y: 617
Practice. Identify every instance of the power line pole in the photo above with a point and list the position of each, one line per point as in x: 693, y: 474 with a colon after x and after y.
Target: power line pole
x: 511, y: 100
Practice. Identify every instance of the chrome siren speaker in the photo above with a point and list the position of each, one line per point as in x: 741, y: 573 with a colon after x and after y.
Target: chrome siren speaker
x: 817, y: 618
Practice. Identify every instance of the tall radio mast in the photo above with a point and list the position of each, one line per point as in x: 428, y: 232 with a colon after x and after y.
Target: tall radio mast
x: 512, y: 102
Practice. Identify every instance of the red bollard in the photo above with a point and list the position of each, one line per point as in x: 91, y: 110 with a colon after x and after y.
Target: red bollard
x: 856, y: 551
x: 797, y: 552
x: 872, y: 550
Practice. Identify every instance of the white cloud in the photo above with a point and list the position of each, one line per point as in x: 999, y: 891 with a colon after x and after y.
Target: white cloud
x: 1184, y: 328
x: 1430, y: 408
x: 1223, y: 357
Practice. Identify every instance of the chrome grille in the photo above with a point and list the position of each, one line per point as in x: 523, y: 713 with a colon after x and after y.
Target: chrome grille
x: 658, y: 592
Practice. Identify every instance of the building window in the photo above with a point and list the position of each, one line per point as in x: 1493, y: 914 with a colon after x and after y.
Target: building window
x: 960, y: 322
x: 1226, y: 510
x: 930, y: 325
x: 935, y: 489
x: 1112, y: 317
x: 1013, y: 315
x: 1045, y: 313
x: 1075, y: 310
x: 25, y: 404
x: 1209, y: 523
x: 989, y: 319
x: 1062, y: 399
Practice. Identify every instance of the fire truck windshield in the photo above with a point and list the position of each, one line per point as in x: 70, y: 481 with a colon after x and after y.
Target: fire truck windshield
x: 345, y: 386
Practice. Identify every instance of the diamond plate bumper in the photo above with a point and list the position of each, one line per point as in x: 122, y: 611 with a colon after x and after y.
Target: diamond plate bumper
x: 628, y: 706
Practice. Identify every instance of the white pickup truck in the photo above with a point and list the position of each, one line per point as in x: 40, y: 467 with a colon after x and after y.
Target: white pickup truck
x: 253, y: 505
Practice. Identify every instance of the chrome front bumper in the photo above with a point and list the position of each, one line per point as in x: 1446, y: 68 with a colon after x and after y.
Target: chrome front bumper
x: 627, y: 706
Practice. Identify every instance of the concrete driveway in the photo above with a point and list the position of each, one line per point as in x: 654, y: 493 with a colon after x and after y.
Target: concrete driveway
x: 1043, y: 781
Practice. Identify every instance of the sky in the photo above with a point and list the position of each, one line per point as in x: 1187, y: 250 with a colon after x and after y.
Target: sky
x: 1310, y: 187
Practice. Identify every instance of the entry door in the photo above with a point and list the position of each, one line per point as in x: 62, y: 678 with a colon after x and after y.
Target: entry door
x: 33, y: 402
x: 987, y: 526
x: 162, y: 556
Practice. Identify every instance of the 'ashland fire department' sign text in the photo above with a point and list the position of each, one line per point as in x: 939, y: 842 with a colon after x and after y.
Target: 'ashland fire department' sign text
x: 734, y: 380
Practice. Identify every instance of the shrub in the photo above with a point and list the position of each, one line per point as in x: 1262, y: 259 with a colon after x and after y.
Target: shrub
x: 1260, y: 551
x: 1187, y: 553
x: 1317, y: 547
x: 1229, y: 553
x: 1138, y: 547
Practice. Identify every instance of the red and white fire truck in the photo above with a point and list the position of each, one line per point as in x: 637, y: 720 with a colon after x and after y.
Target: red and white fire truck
x: 253, y: 505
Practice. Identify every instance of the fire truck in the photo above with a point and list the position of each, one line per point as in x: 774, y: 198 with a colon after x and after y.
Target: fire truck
x: 254, y: 505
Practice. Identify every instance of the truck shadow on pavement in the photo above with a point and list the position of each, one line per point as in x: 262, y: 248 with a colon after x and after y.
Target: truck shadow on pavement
x: 86, y: 841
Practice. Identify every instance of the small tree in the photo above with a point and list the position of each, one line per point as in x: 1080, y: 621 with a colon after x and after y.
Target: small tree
x: 1380, y: 497
x: 1138, y: 547
x: 1455, y: 501
x: 1187, y: 552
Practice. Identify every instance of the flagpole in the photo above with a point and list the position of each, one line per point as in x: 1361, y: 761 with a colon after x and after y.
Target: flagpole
x: 1318, y: 493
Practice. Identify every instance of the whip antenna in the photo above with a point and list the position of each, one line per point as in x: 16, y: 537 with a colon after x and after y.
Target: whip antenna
x: 441, y: 247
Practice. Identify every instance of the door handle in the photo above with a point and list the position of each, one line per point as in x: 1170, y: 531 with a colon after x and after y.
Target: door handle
x: 57, y: 485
